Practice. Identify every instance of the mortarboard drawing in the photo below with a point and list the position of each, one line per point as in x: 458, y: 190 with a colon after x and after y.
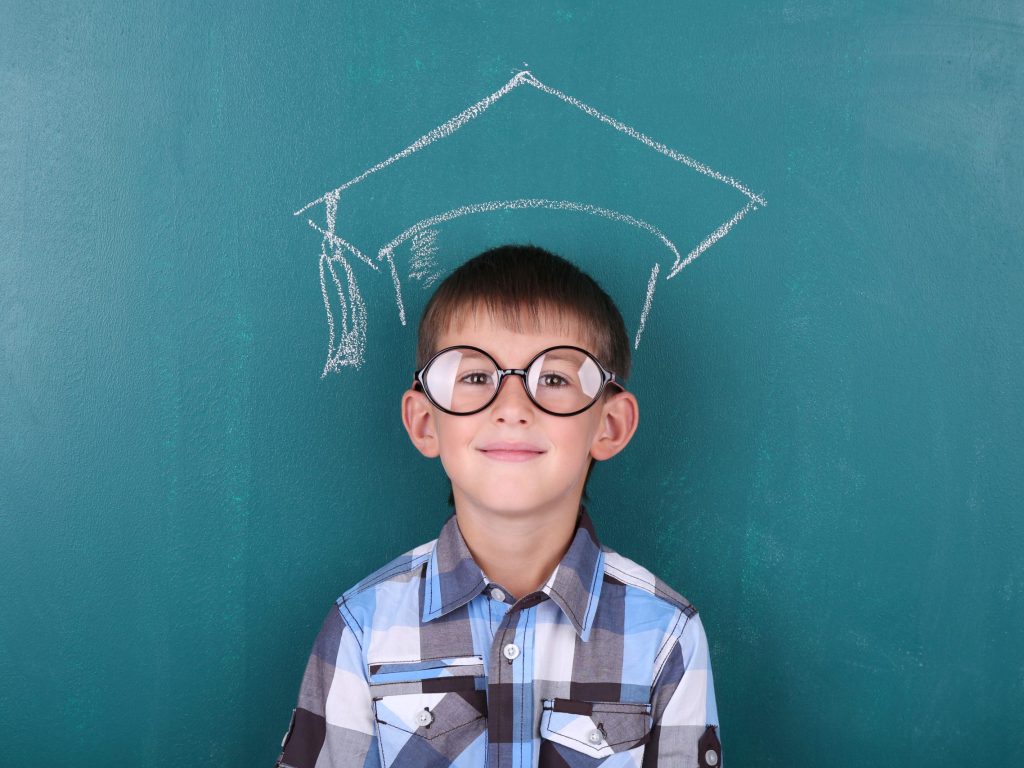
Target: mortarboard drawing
x: 339, y: 254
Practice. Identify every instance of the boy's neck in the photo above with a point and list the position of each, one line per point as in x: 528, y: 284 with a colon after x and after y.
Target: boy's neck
x: 518, y: 552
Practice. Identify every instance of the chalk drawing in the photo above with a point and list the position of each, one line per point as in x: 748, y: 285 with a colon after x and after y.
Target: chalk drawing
x: 348, y: 347
x: 349, y: 350
x: 648, y: 298
x: 423, y: 266
x: 387, y: 251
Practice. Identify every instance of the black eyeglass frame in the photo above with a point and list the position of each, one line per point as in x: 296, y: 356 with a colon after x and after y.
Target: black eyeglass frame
x: 607, y: 377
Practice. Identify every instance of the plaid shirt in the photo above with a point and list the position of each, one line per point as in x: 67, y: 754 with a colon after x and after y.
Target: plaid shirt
x: 427, y: 663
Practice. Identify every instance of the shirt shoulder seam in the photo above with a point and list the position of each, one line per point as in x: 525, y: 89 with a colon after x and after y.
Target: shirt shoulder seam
x: 396, y: 567
x: 664, y: 593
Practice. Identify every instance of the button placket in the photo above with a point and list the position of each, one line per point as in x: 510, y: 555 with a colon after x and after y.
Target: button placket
x: 501, y: 715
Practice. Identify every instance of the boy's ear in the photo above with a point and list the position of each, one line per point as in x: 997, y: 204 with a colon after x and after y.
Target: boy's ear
x: 620, y: 415
x: 418, y: 418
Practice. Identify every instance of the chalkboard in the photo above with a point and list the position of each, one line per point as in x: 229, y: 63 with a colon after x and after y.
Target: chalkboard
x: 220, y: 223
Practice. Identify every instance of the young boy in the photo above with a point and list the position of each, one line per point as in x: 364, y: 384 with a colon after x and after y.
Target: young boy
x: 514, y: 639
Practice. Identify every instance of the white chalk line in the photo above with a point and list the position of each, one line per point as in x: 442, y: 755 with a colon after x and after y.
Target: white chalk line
x: 327, y: 306
x: 442, y: 131
x: 648, y: 298
x: 332, y: 364
x: 711, y: 239
x: 339, y: 242
x: 331, y: 204
x: 387, y: 251
x: 455, y: 123
x: 353, y: 342
x: 657, y: 146
x: 398, y: 289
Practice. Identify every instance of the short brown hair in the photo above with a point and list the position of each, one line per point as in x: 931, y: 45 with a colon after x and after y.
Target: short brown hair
x: 513, y: 281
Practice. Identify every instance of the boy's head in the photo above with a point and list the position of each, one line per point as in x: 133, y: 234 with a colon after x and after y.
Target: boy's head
x: 515, y: 284
x: 518, y: 450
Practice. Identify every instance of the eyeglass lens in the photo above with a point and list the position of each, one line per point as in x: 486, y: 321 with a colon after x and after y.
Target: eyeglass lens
x: 562, y: 380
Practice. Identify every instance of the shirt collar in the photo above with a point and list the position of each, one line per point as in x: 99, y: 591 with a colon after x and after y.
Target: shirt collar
x: 453, y: 578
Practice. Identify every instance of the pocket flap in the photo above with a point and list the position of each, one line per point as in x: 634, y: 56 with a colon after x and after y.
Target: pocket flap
x: 595, y: 728
x: 431, y: 715
x: 428, y: 669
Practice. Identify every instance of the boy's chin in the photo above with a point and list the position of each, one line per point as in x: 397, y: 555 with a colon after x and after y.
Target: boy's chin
x: 512, y: 502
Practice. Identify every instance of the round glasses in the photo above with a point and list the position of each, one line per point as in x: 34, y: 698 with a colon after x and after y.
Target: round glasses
x: 562, y: 381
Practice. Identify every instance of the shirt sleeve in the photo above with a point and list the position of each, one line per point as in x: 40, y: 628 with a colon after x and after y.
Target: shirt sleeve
x: 685, y: 730
x: 332, y: 725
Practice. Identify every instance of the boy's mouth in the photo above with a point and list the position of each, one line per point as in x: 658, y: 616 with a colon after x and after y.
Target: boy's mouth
x: 510, y: 451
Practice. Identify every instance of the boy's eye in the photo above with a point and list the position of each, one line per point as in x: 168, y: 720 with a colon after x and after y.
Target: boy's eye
x: 553, y: 380
x: 476, y: 378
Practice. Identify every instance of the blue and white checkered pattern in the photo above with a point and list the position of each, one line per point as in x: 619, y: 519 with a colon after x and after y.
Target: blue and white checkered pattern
x: 427, y: 663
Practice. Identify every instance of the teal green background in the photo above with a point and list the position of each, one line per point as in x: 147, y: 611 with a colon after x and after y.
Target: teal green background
x: 828, y: 462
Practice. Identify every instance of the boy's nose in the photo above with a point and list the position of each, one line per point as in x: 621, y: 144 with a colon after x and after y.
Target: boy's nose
x: 512, y: 402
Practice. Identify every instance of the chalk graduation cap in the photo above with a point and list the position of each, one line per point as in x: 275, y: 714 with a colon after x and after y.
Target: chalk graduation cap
x: 525, y: 147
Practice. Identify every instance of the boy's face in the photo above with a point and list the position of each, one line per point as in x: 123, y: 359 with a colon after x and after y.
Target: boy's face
x: 513, y: 458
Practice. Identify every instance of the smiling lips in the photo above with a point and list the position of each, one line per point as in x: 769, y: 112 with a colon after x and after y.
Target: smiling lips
x: 511, y: 451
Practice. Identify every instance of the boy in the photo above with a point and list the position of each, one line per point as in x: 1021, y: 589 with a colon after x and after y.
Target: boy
x: 514, y: 639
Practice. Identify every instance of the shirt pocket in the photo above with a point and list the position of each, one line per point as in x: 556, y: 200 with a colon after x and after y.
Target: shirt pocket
x: 430, y: 714
x: 593, y: 733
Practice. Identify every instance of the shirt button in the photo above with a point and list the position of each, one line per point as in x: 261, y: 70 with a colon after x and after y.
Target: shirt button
x: 711, y: 757
x: 497, y: 594
x: 424, y: 718
x: 510, y: 651
x: 595, y: 737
